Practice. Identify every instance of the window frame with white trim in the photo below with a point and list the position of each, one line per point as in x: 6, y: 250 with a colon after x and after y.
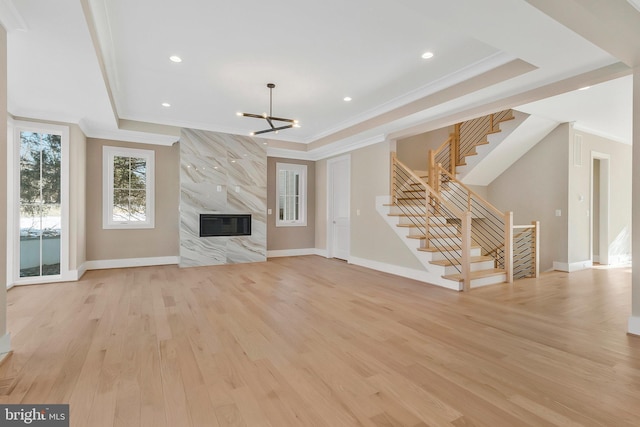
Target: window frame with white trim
x: 109, y: 155
x: 291, y: 207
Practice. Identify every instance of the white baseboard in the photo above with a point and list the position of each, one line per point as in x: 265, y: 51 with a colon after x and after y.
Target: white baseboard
x: 5, y: 343
x: 571, y: 267
x: 322, y: 252
x: 619, y: 259
x: 81, y: 270
x: 409, y: 273
x: 75, y: 275
x: 634, y: 325
x: 293, y: 252
x: 130, y: 262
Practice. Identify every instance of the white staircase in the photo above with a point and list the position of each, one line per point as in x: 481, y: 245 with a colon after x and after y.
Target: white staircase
x: 441, y: 265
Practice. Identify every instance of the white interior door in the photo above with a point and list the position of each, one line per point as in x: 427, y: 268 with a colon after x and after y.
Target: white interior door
x: 338, y: 229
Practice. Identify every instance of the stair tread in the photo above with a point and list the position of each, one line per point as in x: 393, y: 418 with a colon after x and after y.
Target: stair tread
x: 430, y: 225
x: 405, y: 215
x: 456, y: 261
x: 481, y: 274
x: 444, y: 249
x: 422, y: 236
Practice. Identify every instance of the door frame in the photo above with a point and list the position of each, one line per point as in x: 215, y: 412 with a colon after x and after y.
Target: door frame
x: 330, y: 181
x: 603, y: 208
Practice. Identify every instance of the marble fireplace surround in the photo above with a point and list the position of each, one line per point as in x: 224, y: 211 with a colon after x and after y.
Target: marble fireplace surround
x: 224, y: 174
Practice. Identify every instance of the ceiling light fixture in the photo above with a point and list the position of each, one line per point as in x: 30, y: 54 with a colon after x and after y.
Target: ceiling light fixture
x: 175, y: 58
x: 427, y: 55
x: 166, y: 104
x: 346, y: 98
x: 269, y: 118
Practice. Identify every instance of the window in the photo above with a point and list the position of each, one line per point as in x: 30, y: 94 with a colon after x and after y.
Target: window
x: 128, y: 188
x: 291, y: 201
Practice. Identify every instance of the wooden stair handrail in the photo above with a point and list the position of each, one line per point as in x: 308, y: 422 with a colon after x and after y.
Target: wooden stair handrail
x: 431, y: 191
x: 456, y: 144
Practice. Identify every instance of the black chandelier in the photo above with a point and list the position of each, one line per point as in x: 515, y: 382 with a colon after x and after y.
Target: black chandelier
x: 270, y: 118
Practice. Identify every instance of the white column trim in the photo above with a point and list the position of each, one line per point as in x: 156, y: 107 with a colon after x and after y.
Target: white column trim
x: 5, y: 343
x: 634, y: 325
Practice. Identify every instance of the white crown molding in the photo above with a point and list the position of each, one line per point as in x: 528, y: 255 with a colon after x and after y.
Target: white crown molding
x: 44, y: 116
x: 187, y: 124
x: 482, y: 66
x: 470, y: 71
x: 289, y: 154
x: 10, y: 17
x: 128, y: 136
x: 585, y: 129
x: 341, y: 147
x: 324, y: 152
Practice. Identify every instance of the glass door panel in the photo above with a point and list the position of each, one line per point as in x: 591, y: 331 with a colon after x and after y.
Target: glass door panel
x: 40, y: 208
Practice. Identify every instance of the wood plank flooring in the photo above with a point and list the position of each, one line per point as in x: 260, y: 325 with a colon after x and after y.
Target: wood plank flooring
x: 308, y: 341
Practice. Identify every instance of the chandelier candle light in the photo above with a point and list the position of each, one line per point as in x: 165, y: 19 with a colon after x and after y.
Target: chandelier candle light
x: 269, y: 118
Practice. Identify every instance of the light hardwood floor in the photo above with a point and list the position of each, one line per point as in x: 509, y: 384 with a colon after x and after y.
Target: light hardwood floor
x: 308, y: 341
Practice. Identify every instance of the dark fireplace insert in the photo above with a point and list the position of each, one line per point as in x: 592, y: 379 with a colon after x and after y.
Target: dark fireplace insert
x: 225, y: 225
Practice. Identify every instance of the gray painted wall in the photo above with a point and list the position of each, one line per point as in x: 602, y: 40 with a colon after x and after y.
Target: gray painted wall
x: 534, y: 187
x: 160, y: 241
x: 298, y: 237
x: 580, y: 203
x: 371, y: 237
x: 413, y: 151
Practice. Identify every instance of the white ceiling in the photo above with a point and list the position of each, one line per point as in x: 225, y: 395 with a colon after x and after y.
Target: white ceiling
x: 316, y: 53
x: 604, y: 109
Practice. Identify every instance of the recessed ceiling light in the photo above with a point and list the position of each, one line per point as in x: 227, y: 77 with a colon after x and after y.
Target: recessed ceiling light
x: 585, y: 88
x: 166, y: 104
x: 427, y: 55
x: 347, y: 98
x: 175, y: 58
